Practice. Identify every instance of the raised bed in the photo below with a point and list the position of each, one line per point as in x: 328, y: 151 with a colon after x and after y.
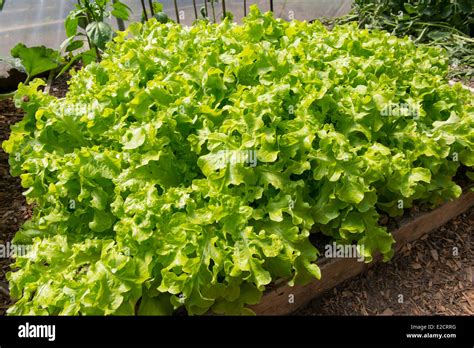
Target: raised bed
x: 284, y: 299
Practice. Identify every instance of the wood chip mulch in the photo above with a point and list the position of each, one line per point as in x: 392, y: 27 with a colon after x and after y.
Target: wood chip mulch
x: 431, y: 276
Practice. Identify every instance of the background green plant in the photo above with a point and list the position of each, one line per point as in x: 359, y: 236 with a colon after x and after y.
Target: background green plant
x: 445, y: 23
x: 87, y: 23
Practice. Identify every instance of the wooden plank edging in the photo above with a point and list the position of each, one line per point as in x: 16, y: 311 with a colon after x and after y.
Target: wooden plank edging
x: 335, y: 271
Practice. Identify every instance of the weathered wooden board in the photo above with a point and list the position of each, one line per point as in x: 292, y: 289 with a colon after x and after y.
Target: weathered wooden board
x: 335, y: 271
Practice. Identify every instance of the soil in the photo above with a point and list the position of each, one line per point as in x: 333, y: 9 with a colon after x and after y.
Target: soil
x: 13, y: 208
x: 10, y: 77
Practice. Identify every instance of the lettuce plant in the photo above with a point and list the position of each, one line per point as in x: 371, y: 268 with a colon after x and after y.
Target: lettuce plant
x: 145, y: 192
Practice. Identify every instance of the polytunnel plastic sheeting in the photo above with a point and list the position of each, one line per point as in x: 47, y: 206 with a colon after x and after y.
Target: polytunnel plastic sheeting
x: 33, y: 22
x: 287, y: 9
x: 41, y: 22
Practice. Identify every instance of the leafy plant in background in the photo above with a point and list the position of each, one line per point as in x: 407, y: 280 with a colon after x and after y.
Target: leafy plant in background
x: 204, y: 11
x: 431, y: 16
x: 136, y: 210
x: 446, y: 23
x: 156, y: 11
x: 87, y: 24
x: 34, y: 61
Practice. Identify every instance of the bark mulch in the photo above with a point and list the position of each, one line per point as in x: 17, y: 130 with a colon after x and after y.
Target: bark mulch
x: 431, y: 276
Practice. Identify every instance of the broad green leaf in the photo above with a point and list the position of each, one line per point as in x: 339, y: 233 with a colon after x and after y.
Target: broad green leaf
x: 120, y: 10
x: 99, y: 33
x: 36, y: 60
x: 71, y: 24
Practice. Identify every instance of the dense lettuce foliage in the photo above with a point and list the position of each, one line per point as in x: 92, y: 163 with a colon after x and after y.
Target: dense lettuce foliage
x: 137, y: 212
